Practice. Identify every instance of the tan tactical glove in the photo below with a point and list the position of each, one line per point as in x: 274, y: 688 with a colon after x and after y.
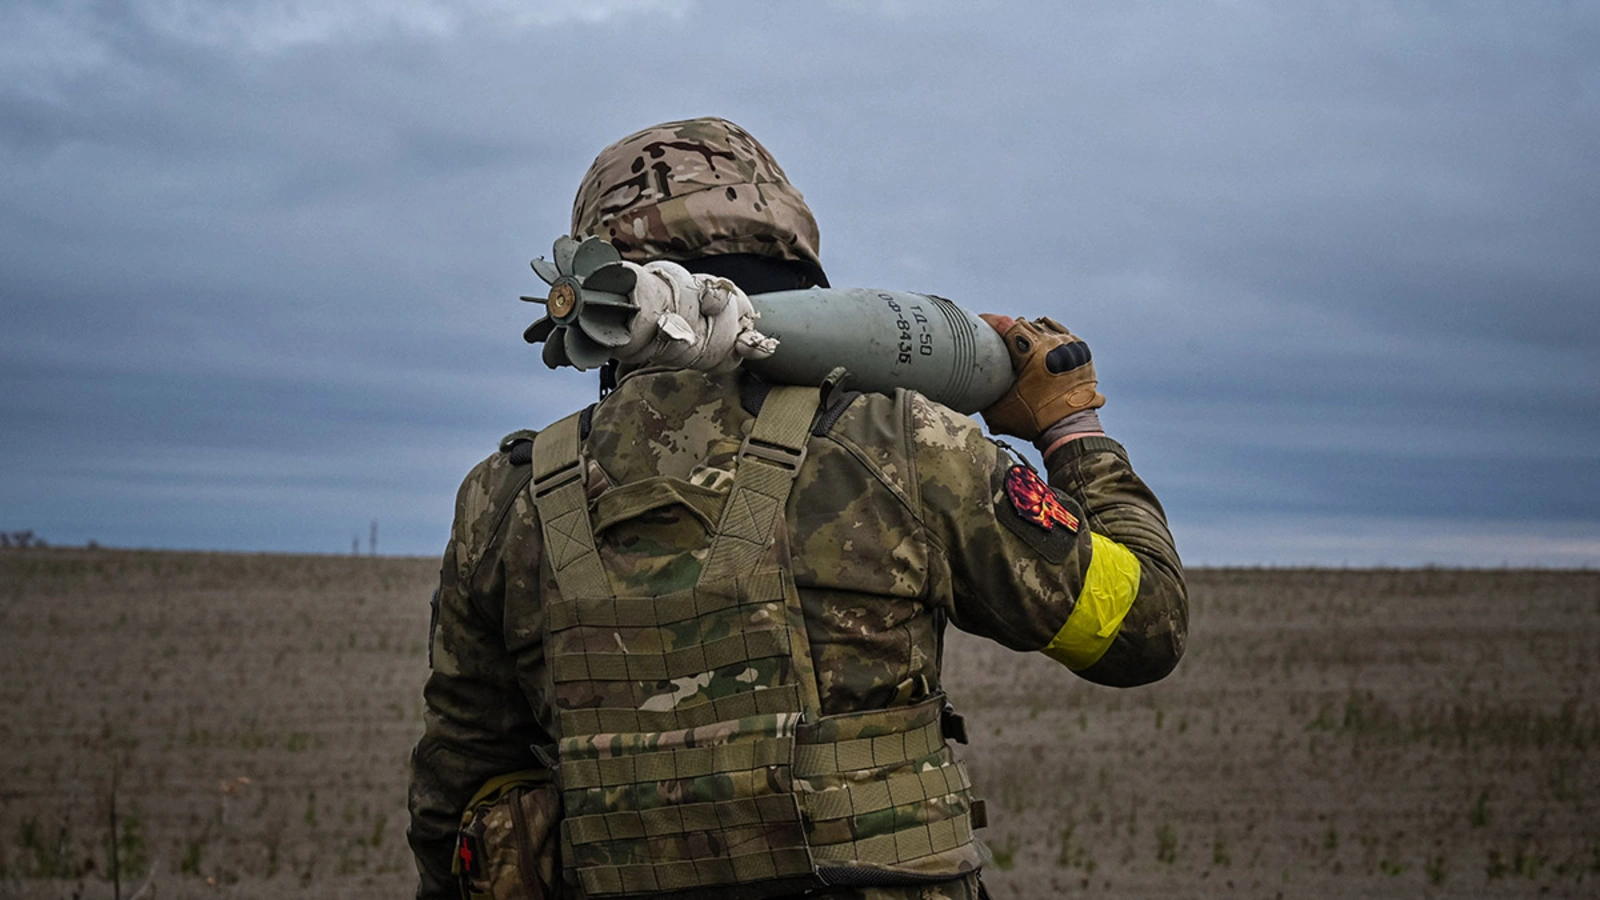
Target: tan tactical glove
x: 1055, y: 377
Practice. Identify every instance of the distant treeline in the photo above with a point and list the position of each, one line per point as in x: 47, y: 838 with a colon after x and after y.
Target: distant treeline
x: 21, y: 540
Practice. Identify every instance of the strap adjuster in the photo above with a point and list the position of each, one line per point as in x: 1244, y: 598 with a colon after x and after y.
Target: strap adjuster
x: 558, y: 479
x: 773, y: 454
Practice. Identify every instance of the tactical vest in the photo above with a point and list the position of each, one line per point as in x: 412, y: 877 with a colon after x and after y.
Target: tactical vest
x: 731, y: 784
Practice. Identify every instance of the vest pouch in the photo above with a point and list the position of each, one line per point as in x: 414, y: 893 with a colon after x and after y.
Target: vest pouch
x: 509, y: 844
x: 885, y: 799
x: 655, y: 495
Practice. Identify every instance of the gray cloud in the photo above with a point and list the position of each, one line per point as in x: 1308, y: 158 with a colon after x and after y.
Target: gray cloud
x: 258, y: 263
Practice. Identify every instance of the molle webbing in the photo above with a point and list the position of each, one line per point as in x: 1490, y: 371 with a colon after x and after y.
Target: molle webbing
x: 651, y: 766
x: 563, y: 503
x: 901, y: 846
x: 789, y: 864
x: 681, y: 819
x: 694, y: 756
x: 768, y: 462
x: 883, y: 791
x: 667, y: 609
x: 905, y: 789
x: 667, y: 665
x: 635, y: 643
x: 721, y: 709
x: 839, y: 757
x: 690, y: 789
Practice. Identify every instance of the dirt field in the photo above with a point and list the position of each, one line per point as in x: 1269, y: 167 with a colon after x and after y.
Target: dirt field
x: 1331, y: 734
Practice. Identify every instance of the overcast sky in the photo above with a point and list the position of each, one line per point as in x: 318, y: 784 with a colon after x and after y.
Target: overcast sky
x: 1339, y: 262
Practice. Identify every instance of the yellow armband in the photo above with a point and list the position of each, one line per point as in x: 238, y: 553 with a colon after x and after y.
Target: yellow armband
x: 1108, y: 591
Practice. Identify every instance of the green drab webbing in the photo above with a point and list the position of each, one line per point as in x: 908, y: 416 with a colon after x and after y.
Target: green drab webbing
x: 763, y: 701
x: 603, y: 744
x: 901, y: 846
x: 685, y: 662
x: 767, y: 465
x: 782, y: 834
x: 844, y: 726
x: 867, y: 753
x: 674, y: 764
x: 653, y: 812
x: 686, y: 818
x: 762, y: 865
x: 764, y: 586
x: 559, y: 476
x: 907, y: 789
x: 764, y: 474
x: 715, y: 788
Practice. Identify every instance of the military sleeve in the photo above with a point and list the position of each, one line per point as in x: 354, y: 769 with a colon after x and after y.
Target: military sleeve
x: 1082, y: 569
x: 477, y: 722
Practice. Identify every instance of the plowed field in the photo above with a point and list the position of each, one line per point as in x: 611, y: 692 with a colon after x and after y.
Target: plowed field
x: 1331, y: 734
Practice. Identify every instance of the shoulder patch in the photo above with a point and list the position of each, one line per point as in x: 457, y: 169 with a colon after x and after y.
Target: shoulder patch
x: 1035, y: 502
x: 1031, y: 510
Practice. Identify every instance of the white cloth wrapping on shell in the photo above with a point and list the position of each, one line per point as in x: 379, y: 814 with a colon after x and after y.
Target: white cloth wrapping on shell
x: 690, y: 321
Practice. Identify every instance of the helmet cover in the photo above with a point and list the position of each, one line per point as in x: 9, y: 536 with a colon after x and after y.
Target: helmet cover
x: 697, y: 187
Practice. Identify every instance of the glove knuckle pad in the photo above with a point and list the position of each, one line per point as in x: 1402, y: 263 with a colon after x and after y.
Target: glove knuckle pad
x: 1067, y: 357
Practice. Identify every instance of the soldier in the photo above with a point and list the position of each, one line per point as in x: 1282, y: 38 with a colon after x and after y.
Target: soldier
x: 706, y: 614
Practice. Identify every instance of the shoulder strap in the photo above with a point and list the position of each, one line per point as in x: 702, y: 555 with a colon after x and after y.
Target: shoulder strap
x: 767, y: 465
x: 559, y: 474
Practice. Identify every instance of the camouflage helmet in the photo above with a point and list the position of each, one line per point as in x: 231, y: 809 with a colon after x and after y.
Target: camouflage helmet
x: 694, y: 188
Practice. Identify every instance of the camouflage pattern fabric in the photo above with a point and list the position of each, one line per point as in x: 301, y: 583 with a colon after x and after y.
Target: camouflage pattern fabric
x: 699, y: 187
x: 898, y: 523
x: 687, y: 788
x: 509, y: 847
x: 733, y: 777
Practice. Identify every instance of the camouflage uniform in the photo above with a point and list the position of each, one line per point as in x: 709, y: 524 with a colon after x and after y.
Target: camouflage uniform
x: 899, y: 522
x: 904, y: 516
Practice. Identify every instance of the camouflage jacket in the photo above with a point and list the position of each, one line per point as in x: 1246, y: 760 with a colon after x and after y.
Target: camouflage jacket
x: 900, y: 501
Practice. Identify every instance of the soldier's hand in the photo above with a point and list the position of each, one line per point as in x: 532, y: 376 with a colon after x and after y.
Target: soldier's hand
x: 1054, y: 377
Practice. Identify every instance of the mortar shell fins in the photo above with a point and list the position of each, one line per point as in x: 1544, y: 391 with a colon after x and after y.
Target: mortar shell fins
x: 608, y: 325
x: 583, y: 351
x: 545, y: 269
x: 591, y: 255
x: 564, y: 250
x: 613, y: 277
x: 540, y: 330
x: 555, y: 354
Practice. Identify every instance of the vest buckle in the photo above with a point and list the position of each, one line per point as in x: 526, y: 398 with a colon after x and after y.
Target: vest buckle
x: 773, y: 454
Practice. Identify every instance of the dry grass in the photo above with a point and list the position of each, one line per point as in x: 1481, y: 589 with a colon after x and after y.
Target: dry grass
x: 1332, y: 734
x: 260, y: 709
